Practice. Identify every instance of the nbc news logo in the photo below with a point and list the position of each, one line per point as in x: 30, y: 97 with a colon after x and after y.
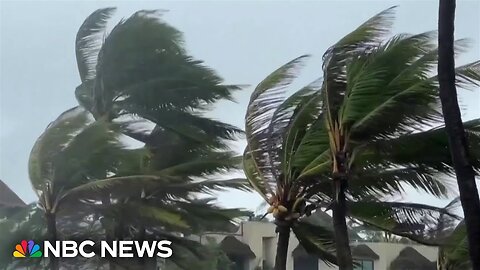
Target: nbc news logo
x: 27, y: 249
x: 115, y: 249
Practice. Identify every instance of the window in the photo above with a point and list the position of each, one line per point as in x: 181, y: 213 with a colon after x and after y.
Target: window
x: 364, y: 265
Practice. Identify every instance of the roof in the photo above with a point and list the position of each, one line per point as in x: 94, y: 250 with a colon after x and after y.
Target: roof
x: 322, y: 219
x: 364, y: 252
x: 232, y: 246
x: 360, y: 251
x: 300, y: 251
x: 410, y: 258
x: 8, y: 198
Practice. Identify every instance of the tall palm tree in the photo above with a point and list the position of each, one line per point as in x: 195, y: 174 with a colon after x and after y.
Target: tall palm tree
x: 141, y: 70
x: 372, y: 125
x: 456, y: 135
x: 379, y: 92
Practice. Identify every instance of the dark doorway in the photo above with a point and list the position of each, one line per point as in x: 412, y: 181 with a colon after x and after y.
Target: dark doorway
x: 305, y: 263
x: 238, y: 262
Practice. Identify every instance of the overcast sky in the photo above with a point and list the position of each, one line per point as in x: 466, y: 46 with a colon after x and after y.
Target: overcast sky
x: 243, y: 41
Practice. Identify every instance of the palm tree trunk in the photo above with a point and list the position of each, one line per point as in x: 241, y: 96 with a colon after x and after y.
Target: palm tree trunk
x: 145, y: 263
x: 455, y: 131
x: 109, y: 231
x: 339, y: 209
x: 150, y: 264
x: 52, y: 236
x: 282, y: 247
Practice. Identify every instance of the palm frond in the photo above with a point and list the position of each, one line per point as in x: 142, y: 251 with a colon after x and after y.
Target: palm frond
x: 316, y: 240
x: 399, y: 89
x: 373, y: 81
x: 143, y: 64
x: 91, y: 154
x: 133, y: 185
x: 89, y: 41
x: 411, y: 220
x: 52, y: 141
x: 410, y: 150
x: 265, y: 99
x: 159, y: 216
x: 203, y: 215
x: 379, y: 181
x: 361, y: 40
x: 214, y: 162
x: 299, y: 112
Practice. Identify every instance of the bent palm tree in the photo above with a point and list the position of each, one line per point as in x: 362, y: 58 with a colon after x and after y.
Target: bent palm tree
x: 140, y: 70
x: 380, y: 94
x: 373, y: 123
x: 79, y: 160
x: 71, y: 152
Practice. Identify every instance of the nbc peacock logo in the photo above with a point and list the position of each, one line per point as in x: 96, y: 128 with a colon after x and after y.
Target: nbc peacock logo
x: 27, y: 250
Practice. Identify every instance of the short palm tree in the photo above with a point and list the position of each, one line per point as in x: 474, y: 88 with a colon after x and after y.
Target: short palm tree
x: 71, y: 152
x: 368, y: 128
x: 77, y: 160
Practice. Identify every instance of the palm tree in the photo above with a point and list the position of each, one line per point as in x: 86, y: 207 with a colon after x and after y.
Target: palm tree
x: 61, y: 160
x: 141, y: 71
x: 379, y: 92
x: 77, y: 160
x: 370, y: 127
x: 71, y: 152
x: 453, y: 123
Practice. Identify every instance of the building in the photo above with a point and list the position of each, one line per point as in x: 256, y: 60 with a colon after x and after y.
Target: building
x: 253, y: 247
x: 8, y: 198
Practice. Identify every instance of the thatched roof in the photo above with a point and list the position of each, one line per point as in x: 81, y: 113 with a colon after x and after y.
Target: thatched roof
x: 410, y: 258
x: 364, y: 252
x: 8, y: 198
x: 232, y: 246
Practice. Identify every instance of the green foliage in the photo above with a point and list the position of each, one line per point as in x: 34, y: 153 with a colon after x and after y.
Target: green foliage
x: 24, y: 223
x: 137, y: 76
x: 376, y: 112
x: 71, y: 152
x: 213, y: 259
x: 140, y: 71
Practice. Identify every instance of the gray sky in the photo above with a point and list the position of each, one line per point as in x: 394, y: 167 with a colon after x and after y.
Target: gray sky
x: 243, y: 40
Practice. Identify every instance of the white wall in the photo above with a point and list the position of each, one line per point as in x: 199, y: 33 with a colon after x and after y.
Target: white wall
x: 254, y: 233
